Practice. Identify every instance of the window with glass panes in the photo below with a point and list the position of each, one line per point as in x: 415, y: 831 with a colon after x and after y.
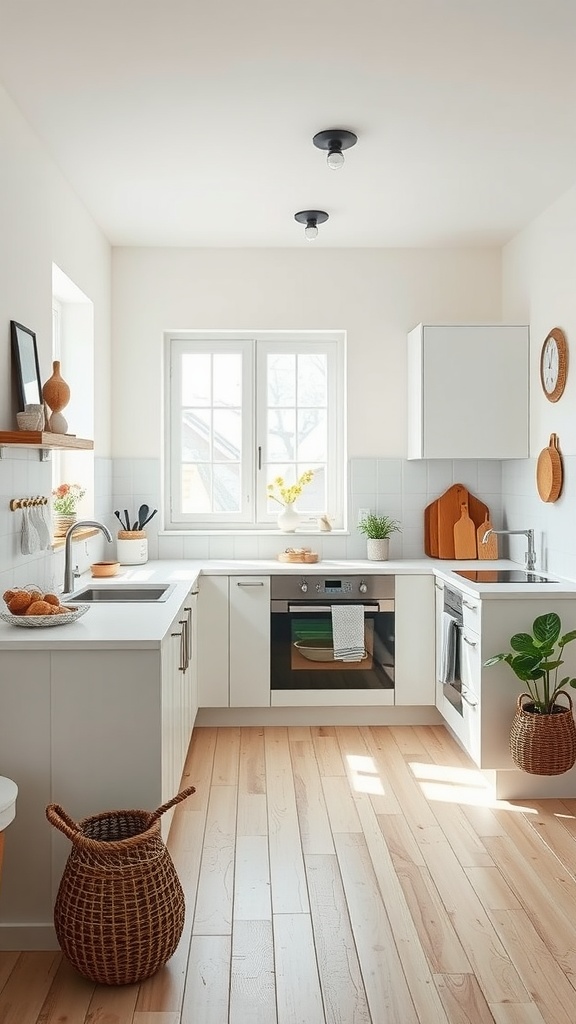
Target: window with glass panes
x: 242, y: 412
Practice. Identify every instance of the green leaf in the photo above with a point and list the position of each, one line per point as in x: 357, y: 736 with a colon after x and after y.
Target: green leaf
x: 548, y: 666
x: 568, y: 638
x: 526, y: 667
x: 546, y: 628
x: 496, y: 658
x: 523, y: 642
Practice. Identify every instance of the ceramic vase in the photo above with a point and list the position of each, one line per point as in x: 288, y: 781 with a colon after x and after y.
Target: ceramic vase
x: 288, y: 519
x: 62, y: 523
x: 377, y: 550
x: 56, y: 394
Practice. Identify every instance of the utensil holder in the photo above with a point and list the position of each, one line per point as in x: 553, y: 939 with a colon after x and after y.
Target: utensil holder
x: 132, y: 547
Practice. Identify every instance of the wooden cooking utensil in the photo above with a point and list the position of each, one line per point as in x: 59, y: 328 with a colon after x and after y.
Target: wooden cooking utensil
x: 464, y: 534
x: 490, y: 548
x: 549, y: 471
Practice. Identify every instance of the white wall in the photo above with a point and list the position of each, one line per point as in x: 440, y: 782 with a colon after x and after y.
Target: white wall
x: 42, y: 222
x: 376, y: 295
x: 539, y: 287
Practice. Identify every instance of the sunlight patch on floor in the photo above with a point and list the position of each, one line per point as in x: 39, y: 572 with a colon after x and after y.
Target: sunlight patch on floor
x: 457, y: 785
x: 363, y: 775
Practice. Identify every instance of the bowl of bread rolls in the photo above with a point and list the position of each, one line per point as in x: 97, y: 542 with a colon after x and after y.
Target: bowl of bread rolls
x: 32, y: 607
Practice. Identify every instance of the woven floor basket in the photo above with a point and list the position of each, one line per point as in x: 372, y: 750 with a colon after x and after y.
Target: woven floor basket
x: 119, y: 912
x: 543, y: 744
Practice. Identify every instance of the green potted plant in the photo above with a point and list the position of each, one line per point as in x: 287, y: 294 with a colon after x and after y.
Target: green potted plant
x: 543, y: 733
x: 378, y: 529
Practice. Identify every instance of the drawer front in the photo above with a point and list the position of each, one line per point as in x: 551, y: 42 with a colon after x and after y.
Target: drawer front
x: 470, y: 660
x: 471, y: 613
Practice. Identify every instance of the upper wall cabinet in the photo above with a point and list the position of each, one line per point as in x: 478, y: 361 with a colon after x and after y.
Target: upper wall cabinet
x: 468, y: 392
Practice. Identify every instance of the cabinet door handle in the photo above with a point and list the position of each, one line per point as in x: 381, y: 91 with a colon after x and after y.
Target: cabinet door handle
x: 188, y: 611
x: 183, y: 645
x: 473, y: 607
x: 471, y: 643
x: 256, y: 583
x: 470, y: 703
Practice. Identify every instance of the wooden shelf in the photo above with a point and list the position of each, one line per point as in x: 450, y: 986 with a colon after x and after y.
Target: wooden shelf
x: 42, y: 440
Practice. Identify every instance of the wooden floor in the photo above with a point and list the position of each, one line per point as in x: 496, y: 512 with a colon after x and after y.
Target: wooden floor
x: 344, y: 876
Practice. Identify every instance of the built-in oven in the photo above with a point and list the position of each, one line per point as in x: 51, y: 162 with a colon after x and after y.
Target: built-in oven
x: 307, y: 616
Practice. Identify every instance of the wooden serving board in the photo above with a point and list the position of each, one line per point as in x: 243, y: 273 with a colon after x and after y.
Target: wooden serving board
x: 490, y: 548
x: 464, y: 534
x: 441, y: 515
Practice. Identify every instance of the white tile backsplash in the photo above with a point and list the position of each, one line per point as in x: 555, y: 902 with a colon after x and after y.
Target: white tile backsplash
x: 395, y: 487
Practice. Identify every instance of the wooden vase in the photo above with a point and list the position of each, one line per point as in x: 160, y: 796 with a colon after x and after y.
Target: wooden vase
x: 56, y: 392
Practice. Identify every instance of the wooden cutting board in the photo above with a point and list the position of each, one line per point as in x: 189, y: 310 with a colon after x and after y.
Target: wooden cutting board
x: 449, y: 507
x: 464, y: 534
x: 431, y: 530
x: 441, y: 515
x: 490, y: 548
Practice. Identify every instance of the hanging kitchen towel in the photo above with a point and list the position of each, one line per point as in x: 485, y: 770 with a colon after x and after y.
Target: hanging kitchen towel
x: 348, y: 632
x: 448, y: 649
x: 30, y: 541
x: 41, y: 521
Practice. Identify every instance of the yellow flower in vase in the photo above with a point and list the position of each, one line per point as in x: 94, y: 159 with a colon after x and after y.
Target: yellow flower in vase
x: 286, y: 495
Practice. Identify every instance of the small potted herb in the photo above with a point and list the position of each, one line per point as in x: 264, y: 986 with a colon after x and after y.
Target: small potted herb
x: 378, y: 529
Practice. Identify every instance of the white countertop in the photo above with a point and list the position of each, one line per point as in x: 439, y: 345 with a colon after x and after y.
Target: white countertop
x: 144, y: 625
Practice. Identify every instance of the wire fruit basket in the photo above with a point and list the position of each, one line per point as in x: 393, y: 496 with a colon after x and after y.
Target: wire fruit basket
x: 119, y: 912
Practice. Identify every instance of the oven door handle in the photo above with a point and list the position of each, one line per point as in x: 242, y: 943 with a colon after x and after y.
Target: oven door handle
x: 325, y: 607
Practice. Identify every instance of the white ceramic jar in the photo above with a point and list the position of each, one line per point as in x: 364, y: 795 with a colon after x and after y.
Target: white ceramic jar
x: 132, y: 547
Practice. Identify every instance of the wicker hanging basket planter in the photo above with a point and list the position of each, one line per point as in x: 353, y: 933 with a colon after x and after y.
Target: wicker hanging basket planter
x: 119, y: 912
x: 543, y: 744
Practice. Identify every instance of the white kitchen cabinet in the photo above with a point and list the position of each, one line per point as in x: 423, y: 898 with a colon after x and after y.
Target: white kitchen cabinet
x: 490, y: 694
x: 249, y: 641
x: 414, y: 647
x: 468, y: 392
x: 213, y: 642
x: 179, y: 698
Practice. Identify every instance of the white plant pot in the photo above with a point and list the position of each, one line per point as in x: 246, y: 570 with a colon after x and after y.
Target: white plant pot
x: 377, y: 550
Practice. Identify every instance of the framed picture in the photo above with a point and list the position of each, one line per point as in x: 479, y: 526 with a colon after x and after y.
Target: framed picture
x: 25, y: 356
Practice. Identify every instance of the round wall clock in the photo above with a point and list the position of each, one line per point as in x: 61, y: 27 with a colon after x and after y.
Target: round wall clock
x: 554, y: 364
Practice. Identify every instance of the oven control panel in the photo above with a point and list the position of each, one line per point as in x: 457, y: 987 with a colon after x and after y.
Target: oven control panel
x: 334, y: 587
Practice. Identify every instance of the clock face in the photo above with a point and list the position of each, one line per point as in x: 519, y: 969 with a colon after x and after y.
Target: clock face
x: 550, y: 364
x: 554, y: 364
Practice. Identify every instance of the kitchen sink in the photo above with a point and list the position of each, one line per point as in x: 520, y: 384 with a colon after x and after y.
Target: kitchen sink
x: 502, y: 576
x: 124, y: 594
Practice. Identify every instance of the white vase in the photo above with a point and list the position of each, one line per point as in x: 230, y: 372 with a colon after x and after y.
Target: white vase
x: 288, y: 519
x: 377, y: 550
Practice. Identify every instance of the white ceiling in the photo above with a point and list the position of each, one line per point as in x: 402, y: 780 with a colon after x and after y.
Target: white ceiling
x: 190, y: 122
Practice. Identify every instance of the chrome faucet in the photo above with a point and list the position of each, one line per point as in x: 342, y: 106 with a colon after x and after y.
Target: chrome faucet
x: 530, y: 557
x: 68, y: 571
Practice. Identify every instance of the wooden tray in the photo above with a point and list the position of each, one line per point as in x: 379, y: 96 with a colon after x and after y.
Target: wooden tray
x: 298, y: 555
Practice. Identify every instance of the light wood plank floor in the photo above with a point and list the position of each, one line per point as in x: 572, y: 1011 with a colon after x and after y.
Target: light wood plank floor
x: 344, y: 876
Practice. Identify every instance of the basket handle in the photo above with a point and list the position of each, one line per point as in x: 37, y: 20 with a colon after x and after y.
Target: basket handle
x: 560, y: 693
x: 175, y: 800
x: 58, y: 817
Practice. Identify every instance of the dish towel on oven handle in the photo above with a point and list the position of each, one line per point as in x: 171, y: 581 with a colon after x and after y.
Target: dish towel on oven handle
x: 348, y: 632
x: 449, y: 667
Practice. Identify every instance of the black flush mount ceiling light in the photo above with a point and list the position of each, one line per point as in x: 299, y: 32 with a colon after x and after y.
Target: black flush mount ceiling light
x: 335, y: 140
x: 311, y: 218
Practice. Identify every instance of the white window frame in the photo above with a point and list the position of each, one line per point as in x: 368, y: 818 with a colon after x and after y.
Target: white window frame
x: 254, y: 347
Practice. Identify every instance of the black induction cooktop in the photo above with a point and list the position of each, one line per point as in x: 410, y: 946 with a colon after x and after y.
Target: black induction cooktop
x: 502, y: 576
